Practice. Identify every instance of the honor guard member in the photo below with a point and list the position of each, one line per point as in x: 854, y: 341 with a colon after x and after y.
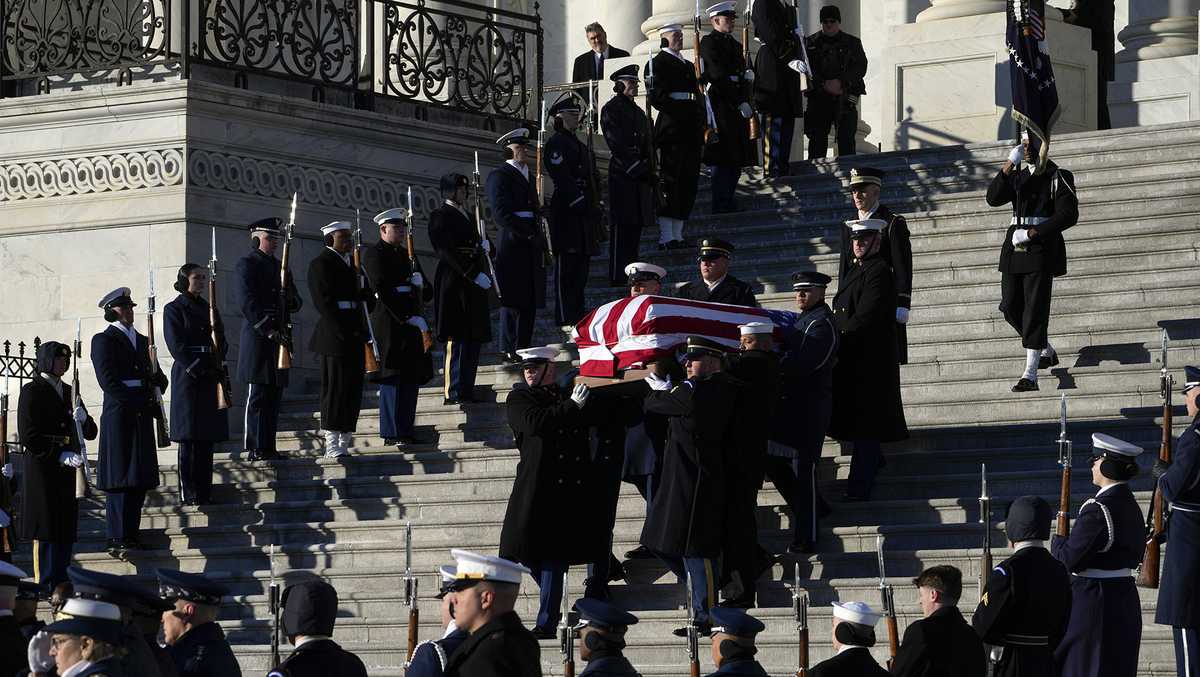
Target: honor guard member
x: 404, y: 364
x: 86, y: 640
x: 728, y: 81
x: 631, y: 183
x: 460, y: 288
x: 198, y: 372
x: 601, y: 631
x: 853, y: 637
x: 778, y: 66
x: 572, y: 211
x: 941, y: 643
x: 678, y: 133
x: 804, y: 409
x: 685, y: 527
x: 520, y: 255
x: 716, y: 285
x: 339, y: 336
x: 839, y: 66
x: 485, y: 591
x: 190, y: 628
x: 733, y: 649
x: 46, y: 416
x: 12, y: 642
x: 125, y: 594
x: 867, y: 409
x: 1179, y: 482
x: 309, y: 612
x: 1033, y: 252
x: 128, y: 451
x: 1023, y: 611
x: 257, y: 285
x: 895, y: 247
x: 1105, y: 546
x: 430, y: 657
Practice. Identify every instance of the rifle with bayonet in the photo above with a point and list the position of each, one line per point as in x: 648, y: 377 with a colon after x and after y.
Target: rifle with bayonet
x: 746, y: 58
x: 800, y: 611
x: 656, y: 182
x: 1148, y: 572
x: 224, y: 400
x: 160, y: 413
x: 85, y: 474
x: 482, y: 228
x: 418, y: 292
x: 7, y: 543
x: 370, y: 348
x: 283, y: 310
x: 887, y: 600
x: 410, y: 596
x: 693, y: 632
x: 600, y: 214
x: 539, y: 213
x: 710, y: 121
x: 1063, y: 528
x: 566, y: 633
x: 273, y: 608
x: 985, y: 518
x: 806, y: 82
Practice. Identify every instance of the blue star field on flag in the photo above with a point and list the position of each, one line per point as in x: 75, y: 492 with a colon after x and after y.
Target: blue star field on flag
x: 1031, y: 74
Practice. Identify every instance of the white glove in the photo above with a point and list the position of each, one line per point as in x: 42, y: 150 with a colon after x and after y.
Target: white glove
x: 1020, y: 237
x: 580, y: 395
x: 798, y: 33
x: 70, y: 459
x: 487, y: 246
x: 5, y: 520
x: 902, y: 315
x: 746, y: 110
x: 1017, y: 154
x: 417, y: 280
x: 483, y: 281
x: 799, y: 66
x: 80, y: 415
x: 748, y: 75
x: 7, y: 471
x: 38, y: 653
x: 418, y: 322
x: 657, y: 382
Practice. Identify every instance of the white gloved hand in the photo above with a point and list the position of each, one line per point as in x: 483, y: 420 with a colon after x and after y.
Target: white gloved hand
x: 417, y: 280
x: 798, y: 33
x: 799, y: 66
x: 38, y: 653
x: 7, y: 471
x: 1017, y: 154
x: 418, y: 322
x: 657, y: 382
x: 902, y: 315
x: 483, y: 281
x: 580, y: 395
x: 745, y: 110
x: 748, y: 75
x: 1020, y: 237
x: 5, y: 520
x: 70, y: 459
x: 487, y: 246
x: 80, y: 415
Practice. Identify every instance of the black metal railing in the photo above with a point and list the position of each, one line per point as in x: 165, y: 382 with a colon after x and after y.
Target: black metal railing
x: 19, y: 366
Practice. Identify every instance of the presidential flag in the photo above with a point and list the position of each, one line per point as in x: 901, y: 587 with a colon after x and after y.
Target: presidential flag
x: 1031, y: 75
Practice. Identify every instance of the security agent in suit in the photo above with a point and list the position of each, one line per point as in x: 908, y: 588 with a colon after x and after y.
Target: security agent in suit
x: 572, y: 211
x: 1179, y: 482
x: 630, y: 179
x: 1033, y: 252
x: 839, y: 65
x: 941, y: 643
x: 46, y: 415
x: 430, y: 657
x: 94, y: 640
x: 678, y: 133
x: 601, y: 630
x: 853, y: 636
x: 256, y: 289
x: 895, y: 247
x: 1023, y: 611
x: 128, y: 451
x: 590, y: 64
x: 190, y: 628
x: 128, y: 596
x: 733, y: 649
x: 309, y: 612
x: 12, y: 642
x: 196, y: 422
x: 520, y: 254
x: 485, y: 591
x: 1105, y: 545
x: 778, y: 65
x: 728, y: 80
x: 804, y: 409
x: 716, y: 285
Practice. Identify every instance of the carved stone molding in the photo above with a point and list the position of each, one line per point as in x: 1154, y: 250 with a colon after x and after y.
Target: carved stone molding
x: 150, y: 168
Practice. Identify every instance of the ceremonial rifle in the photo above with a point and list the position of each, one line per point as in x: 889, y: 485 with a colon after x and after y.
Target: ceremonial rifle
x: 566, y: 631
x: 746, y: 58
x: 710, y: 123
x: 283, y: 311
x: 887, y: 599
x: 223, y: 390
x: 1148, y: 571
x: 370, y: 348
x: 656, y: 184
x: 693, y: 633
x: 6, y: 498
x: 538, y: 214
x: 800, y: 610
x: 410, y: 596
x: 86, y: 473
x: 160, y: 414
x: 1064, y: 459
x: 601, y: 215
x: 426, y: 335
x: 985, y: 518
x: 805, y: 81
x: 273, y: 608
x: 481, y: 227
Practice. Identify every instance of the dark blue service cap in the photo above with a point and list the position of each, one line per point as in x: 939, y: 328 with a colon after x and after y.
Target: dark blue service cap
x: 810, y: 278
x: 629, y: 72
x: 734, y: 622
x: 452, y: 181
x: 1191, y: 378
x: 272, y: 225
x: 698, y: 346
x: 861, y: 175
x: 714, y: 247
x: 567, y: 104
x: 111, y: 588
x: 603, y: 615
x: 173, y: 585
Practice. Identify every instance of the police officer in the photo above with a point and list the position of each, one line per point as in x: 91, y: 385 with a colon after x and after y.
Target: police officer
x: 716, y: 285
x: 1023, y: 611
x: 601, y: 629
x: 256, y: 288
x: 572, y: 211
x: 86, y: 640
x: 400, y: 329
x: 339, y: 336
x: 485, y: 591
x: 631, y: 183
x: 520, y: 254
x: 12, y: 642
x: 128, y: 451
x: 1105, y: 545
x: 839, y: 66
x: 729, y: 81
x: 804, y: 409
x: 853, y: 637
x: 196, y: 421
x: 46, y: 415
x: 1179, y: 482
x: 430, y: 657
x: 309, y: 612
x: 895, y: 247
x: 867, y: 409
x: 733, y: 649
x: 778, y: 94
x: 460, y: 288
x: 678, y: 133
x: 1044, y: 204
x: 190, y: 628
x: 941, y: 643
x: 125, y: 594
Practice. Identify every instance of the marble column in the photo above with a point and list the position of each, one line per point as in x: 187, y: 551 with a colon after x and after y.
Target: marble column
x: 1159, y: 29
x: 1157, y: 78
x: 953, y: 9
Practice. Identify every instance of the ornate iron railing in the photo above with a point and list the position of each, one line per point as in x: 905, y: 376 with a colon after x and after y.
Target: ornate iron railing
x: 19, y: 366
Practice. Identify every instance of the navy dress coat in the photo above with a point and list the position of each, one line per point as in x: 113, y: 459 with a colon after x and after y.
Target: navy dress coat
x: 1179, y: 590
x: 196, y: 372
x: 401, y: 350
x: 128, y: 450
x: 256, y: 289
x: 806, y: 393
x: 48, y: 503
x: 895, y: 247
x: 520, y: 262
x: 1025, y: 609
x: 630, y: 179
x: 572, y: 206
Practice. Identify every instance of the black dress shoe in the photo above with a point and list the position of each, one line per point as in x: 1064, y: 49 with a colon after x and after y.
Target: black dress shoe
x: 545, y: 633
x: 640, y: 552
x: 264, y: 455
x: 392, y: 442
x: 115, y: 548
x: 616, y: 570
x: 1024, y: 386
x: 1047, y: 361
x: 801, y: 548
x: 702, y: 629
x: 743, y: 602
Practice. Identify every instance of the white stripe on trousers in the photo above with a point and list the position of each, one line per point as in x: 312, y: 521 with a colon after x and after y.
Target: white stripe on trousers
x: 1187, y: 659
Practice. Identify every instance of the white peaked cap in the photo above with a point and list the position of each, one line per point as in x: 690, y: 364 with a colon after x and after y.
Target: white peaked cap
x: 861, y: 225
x: 1103, y: 442
x: 476, y: 567
x: 77, y: 607
x: 397, y: 214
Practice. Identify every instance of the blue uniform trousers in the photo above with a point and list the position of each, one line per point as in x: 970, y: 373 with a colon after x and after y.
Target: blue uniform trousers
x: 123, y: 513
x: 724, y: 182
x: 261, y: 417
x: 1187, y: 651
x: 777, y: 144
x: 50, y: 562
x: 703, y: 571
x: 864, y: 464
x: 462, y: 361
x: 570, y: 281
x: 549, y: 576
x: 397, y: 407
x: 796, y: 480
x: 195, y: 470
x: 516, y: 328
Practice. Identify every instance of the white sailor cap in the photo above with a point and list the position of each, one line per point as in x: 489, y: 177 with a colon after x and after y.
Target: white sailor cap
x: 79, y: 607
x: 397, y: 214
x: 538, y: 355
x: 1104, y: 444
x: 474, y: 567
x: 639, y: 271
x: 670, y: 28
x: 10, y: 575
x: 861, y: 227
x: 117, y: 297
x: 331, y: 228
x: 517, y: 137
x: 752, y: 328
x: 856, y: 612
x: 729, y: 7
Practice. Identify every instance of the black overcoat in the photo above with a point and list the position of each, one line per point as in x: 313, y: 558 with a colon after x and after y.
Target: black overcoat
x: 1049, y: 200
x: 333, y: 286
x: 866, y: 379
x: 401, y: 350
x: 569, y: 163
x: 1027, y: 595
x: 460, y: 307
x: 723, y: 68
x: 806, y: 392
x: 256, y: 289
x: 896, y: 249
x: 776, y: 86
x: 49, y: 509
x: 853, y: 662
x: 940, y: 645
x: 520, y: 255
x: 204, y: 652
x: 730, y: 290
x: 678, y: 132
x: 196, y: 372
x: 320, y: 658
x: 584, y: 68
x: 501, y: 648
x: 630, y: 181
x: 128, y: 449
x: 1179, y: 592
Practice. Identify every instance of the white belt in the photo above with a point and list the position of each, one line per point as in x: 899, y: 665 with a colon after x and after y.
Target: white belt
x: 1105, y: 573
x: 735, y: 78
x: 1028, y: 220
x: 404, y: 288
x: 682, y: 96
x: 345, y: 305
x: 524, y: 215
x: 132, y: 383
x: 1185, y: 507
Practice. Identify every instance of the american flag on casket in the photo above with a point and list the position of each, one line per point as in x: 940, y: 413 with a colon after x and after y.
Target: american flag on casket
x: 632, y: 331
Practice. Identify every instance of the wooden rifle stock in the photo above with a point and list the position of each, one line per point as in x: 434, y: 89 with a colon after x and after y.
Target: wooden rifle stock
x: 695, y: 668
x: 160, y: 414
x: 803, y: 650
x: 414, y: 624
x: 283, y: 313
x: 224, y: 401
x: 754, y: 131
x: 893, y: 638
x: 1063, y: 528
x: 1149, y: 571
x: 370, y: 358
x: 709, y: 132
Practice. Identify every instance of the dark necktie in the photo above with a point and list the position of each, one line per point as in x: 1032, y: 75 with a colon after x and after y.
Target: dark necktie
x: 600, y: 67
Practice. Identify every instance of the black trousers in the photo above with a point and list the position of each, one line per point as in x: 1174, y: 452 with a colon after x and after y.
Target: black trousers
x: 195, y: 470
x: 123, y: 513
x: 742, y: 554
x: 680, y: 165
x: 824, y: 112
x: 261, y: 416
x: 341, y: 390
x: 622, y: 249
x: 777, y: 144
x: 570, y: 281
x: 516, y: 328
x: 796, y: 481
x: 1025, y: 302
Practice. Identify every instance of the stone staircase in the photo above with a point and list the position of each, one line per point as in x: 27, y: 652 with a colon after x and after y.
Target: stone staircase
x: 1132, y: 266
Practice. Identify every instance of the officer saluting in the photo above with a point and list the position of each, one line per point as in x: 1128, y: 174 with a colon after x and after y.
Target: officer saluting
x: 572, y: 211
x: 485, y: 590
x: 190, y: 628
x: 729, y: 80
x: 430, y: 657
x: 309, y: 612
x: 733, y: 647
x: 630, y: 180
x: 1106, y: 544
x: 716, y: 285
x: 678, y: 133
x: 601, y: 631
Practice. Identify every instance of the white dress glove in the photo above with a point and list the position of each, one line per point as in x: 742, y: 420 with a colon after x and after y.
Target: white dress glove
x: 487, y: 246
x: 902, y: 315
x: 38, y: 653
x: 748, y: 75
x: 80, y: 415
x: 483, y: 281
x: 657, y: 382
x: 798, y: 33
x: 7, y: 471
x: 745, y: 110
x: 5, y: 520
x: 417, y: 280
x: 1016, y: 155
x: 418, y: 322
x: 70, y: 459
x: 799, y: 66
x: 580, y: 395
x: 1020, y: 237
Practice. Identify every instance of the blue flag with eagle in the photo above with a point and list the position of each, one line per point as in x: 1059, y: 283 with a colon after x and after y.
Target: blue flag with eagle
x: 1034, y: 92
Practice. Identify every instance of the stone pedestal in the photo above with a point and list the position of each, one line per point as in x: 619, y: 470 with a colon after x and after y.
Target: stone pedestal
x: 1157, y: 76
